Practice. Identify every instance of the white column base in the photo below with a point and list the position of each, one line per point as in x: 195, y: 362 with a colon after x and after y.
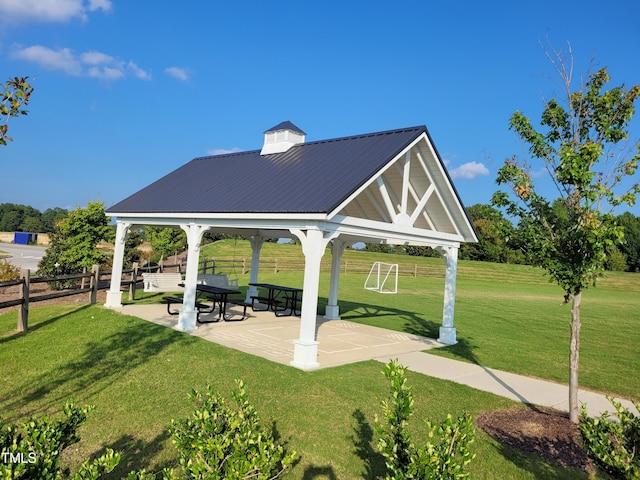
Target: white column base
x: 305, y: 355
x: 187, y: 321
x: 251, y: 292
x: 332, y: 312
x: 113, y: 300
x: 447, y: 335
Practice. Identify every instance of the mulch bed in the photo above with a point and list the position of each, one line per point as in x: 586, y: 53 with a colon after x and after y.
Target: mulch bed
x: 544, y: 432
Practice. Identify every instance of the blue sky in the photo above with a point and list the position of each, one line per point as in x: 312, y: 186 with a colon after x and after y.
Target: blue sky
x: 127, y: 91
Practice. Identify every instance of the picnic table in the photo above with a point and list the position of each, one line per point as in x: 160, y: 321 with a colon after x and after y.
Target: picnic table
x: 219, y: 296
x: 279, y: 299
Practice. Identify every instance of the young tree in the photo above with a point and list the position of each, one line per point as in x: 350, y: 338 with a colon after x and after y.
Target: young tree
x: 74, y: 241
x: 585, y: 150
x: 166, y: 241
x: 15, y: 94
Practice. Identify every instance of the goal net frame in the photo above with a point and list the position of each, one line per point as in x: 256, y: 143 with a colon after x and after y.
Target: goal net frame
x: 381, y: 272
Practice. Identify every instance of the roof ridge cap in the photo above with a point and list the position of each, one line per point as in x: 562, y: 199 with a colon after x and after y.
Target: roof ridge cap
x: 365, y: 135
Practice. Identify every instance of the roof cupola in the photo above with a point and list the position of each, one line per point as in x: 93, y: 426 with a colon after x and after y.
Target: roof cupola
x: 281, y: 138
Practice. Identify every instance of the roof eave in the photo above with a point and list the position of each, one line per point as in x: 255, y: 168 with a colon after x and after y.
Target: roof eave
x: 222, y: 216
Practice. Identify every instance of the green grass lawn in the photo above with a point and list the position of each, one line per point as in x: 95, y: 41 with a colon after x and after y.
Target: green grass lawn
x: 139, y: 374
x: 508, y: 317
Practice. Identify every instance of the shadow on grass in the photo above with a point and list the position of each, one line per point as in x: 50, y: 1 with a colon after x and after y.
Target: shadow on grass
x: 374, y: 463
x: 313, y: 472
x: 33, y: 327
x: 95, y: 366
x: 137, y: 454
x: 410, y: 322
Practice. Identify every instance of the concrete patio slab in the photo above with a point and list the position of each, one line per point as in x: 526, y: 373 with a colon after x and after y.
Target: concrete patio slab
x: 265, y: 335
x: 342, y: 342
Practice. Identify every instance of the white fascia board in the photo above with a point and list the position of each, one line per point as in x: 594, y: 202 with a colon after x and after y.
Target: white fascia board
x: 231, y: 221
x: 393, y: 233
x: 364, y: 186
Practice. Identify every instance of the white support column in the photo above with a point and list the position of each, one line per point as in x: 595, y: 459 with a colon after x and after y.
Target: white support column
x: 447, y: 330
x: 256, y: 245
x: 114, y: 295
x: 188, y: 314
x: 332, y: 312
x: 305, y: 350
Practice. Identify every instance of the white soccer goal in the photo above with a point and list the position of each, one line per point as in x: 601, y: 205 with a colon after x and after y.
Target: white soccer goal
x: 378, y: 277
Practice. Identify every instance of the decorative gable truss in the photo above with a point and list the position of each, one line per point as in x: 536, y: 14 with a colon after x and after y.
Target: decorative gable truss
x: 412, y: 192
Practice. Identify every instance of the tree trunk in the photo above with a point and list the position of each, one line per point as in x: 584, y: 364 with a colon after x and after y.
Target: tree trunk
x: 574, y: 358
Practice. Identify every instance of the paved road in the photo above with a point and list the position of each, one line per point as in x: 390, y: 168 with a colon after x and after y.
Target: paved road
x: 23, y: 256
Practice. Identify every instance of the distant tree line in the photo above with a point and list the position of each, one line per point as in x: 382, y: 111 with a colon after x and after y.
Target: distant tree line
x: 23, y: 218
x: 500, y: 241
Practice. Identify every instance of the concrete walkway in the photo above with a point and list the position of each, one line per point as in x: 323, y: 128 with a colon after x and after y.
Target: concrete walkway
x: 342, y: 342
x: 516, y: 387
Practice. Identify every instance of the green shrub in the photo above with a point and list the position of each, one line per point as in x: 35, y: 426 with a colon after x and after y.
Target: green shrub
x: 614, y: 444
x: 8, y: 271
x: 33, y: 450
x: 219, y: 442
x: 616, y: 260
x: 445, y: 455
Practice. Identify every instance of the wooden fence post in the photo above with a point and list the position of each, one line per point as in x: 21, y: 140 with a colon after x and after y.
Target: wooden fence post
x: 23, y: 315
x: 82, y: 280
x: 95, y: 274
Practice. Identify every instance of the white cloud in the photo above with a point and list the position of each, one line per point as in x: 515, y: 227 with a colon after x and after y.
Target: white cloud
x: 469, y: 170
x: 87, y: 64
x: 96, y: 58
x: 223, y: 151
x: 105, y: 73
x: 177, y: 72
x: 100, y: 5
x: 26, y: 11
x: 138, y: 72
x: 62, y: 59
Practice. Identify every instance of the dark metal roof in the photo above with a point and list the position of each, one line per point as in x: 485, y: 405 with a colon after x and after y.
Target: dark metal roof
x: 285, y: 126
x: 313, y: 177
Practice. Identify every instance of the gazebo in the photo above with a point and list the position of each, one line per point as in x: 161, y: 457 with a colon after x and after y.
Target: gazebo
x: 385, y: 187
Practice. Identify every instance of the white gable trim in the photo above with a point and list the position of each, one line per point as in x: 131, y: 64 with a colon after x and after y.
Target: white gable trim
x: 401, y: 202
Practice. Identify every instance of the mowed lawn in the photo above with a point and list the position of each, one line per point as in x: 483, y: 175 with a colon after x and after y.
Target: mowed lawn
x: 139, y: 374
x: 509, y: 317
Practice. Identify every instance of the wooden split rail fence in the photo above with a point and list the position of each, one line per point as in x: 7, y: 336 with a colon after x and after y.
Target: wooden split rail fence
x: 242, y: 266
x: 25, y: 297
x: 132, y: 278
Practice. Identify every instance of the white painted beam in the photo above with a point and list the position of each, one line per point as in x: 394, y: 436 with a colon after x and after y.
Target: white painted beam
x: 386, y: 198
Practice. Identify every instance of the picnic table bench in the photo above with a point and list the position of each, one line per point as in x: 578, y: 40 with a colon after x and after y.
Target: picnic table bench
x: 279, y: 299
x: 219, y: 298
x: 201, y: 307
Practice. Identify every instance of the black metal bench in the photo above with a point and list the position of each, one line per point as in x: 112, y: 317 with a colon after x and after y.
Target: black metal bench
x: 240, y: 303
x: 272, y: 304
x: 201, y: 307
